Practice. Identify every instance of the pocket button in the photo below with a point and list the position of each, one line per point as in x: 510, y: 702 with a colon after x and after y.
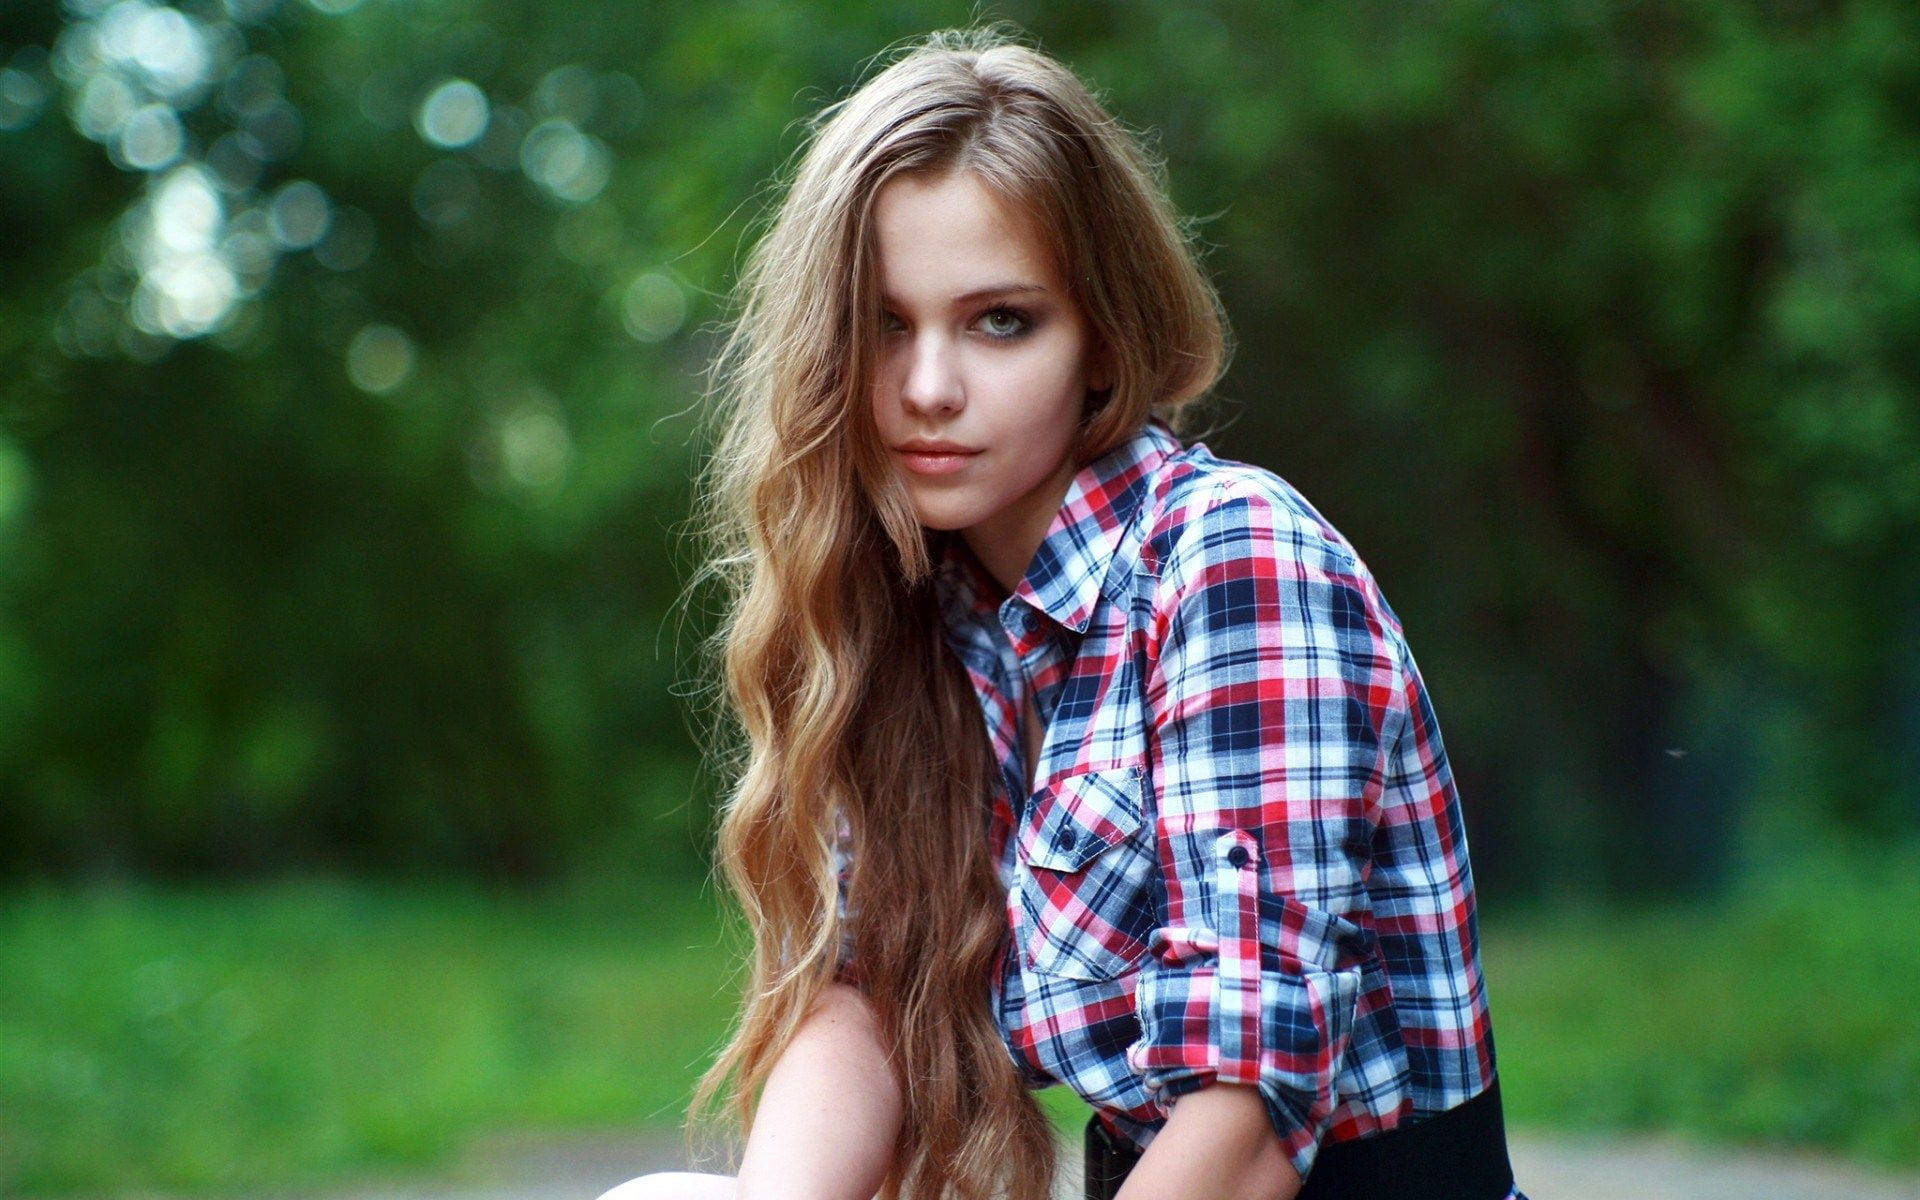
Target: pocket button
x: 1086, y: 898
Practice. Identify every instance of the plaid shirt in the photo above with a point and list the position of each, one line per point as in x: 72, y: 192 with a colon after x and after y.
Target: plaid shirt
x: 1244, y: 857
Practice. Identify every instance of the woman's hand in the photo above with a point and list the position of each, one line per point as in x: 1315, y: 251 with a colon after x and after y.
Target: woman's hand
x: 1217, y: 1144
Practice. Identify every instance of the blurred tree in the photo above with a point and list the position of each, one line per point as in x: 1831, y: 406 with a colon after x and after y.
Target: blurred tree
x: 358, y: 344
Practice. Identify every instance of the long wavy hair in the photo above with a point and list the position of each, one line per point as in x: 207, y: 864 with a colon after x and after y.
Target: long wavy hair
x: 843, y: 702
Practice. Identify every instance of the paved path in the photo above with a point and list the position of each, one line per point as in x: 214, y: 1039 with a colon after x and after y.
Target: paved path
x: 1549, y: 1168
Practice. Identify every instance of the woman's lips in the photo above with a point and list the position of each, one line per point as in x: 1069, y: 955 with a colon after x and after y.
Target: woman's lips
x: 935, y: 462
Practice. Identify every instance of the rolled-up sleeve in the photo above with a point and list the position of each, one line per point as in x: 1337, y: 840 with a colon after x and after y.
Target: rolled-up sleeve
x: 1271, y: 695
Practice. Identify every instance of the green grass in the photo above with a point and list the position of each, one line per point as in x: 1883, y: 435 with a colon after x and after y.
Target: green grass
x: 1785, y: 1017
x: 225, y: 1040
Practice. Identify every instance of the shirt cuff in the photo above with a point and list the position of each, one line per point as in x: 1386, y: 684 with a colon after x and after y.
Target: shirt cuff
x: 1229, y: 1006
x: 1304, y: 1021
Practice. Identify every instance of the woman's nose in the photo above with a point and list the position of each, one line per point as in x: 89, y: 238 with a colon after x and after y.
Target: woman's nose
x: 932, y: 382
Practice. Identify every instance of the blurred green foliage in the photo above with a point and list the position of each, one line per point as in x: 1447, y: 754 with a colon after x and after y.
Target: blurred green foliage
x: 1777, y: 1016
x: 342, y: 483
x: 247, y: 1038
x: 234, y: 1039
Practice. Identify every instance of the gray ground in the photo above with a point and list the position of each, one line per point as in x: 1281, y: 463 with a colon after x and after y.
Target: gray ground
x: 1548, y: 1168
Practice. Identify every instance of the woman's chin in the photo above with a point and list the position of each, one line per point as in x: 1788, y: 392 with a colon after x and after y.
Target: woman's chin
x: 946, y: 520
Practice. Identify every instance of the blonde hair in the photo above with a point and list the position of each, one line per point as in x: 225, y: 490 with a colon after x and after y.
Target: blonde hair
x: 849, y: 705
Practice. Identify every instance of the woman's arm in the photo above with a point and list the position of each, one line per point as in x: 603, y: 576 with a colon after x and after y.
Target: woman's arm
x: 1217, y: 1144
x: 1270, y: 703
x: 830, y: 1110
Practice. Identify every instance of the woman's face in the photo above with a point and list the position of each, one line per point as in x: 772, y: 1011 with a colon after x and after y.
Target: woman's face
x: 985, y: 355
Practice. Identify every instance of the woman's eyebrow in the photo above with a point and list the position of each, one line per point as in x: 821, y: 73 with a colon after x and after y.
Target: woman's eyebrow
x: 983, y: 293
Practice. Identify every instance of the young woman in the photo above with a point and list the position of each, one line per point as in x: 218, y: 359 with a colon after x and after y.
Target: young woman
x: 1072, y: 753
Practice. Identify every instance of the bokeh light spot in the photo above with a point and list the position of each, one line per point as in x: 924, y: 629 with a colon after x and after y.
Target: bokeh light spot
x: 299, y: 214
x: 379, y: 359
x: 573, y: 166
x: 250, y: 247
x: 102, y: 106
x: 184, y: 296
x: 186, y: 212
x: 535, y: 448
x: 151, y: 138
x: 186, y: 288
x: 22, y: 96
x: 569, y: 92
x: 163, y: 45
x: 453, y: 115
x: 654, y: 307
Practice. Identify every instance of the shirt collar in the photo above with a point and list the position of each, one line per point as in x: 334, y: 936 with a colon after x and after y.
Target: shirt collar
x: 1071, y: 563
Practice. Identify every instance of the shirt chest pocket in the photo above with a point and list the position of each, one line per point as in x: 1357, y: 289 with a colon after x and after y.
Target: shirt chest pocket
x: 1086, y: 890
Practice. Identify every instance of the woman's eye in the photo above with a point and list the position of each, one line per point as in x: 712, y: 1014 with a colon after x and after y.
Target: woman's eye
x: 1005, y: 323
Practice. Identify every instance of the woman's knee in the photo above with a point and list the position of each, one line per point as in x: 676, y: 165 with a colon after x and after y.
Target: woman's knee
x: 674, y: 1185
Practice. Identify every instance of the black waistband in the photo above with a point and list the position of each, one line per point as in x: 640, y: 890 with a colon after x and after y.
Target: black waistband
x: 1460, y: 1154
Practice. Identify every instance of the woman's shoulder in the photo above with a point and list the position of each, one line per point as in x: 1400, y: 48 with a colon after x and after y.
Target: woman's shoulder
x: 1205, y: 505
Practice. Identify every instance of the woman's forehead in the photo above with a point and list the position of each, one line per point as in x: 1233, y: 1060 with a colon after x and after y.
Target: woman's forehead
x: 954, y: 240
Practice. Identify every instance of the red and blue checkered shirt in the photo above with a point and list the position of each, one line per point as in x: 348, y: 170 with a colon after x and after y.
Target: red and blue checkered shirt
x: 1242, y: 856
